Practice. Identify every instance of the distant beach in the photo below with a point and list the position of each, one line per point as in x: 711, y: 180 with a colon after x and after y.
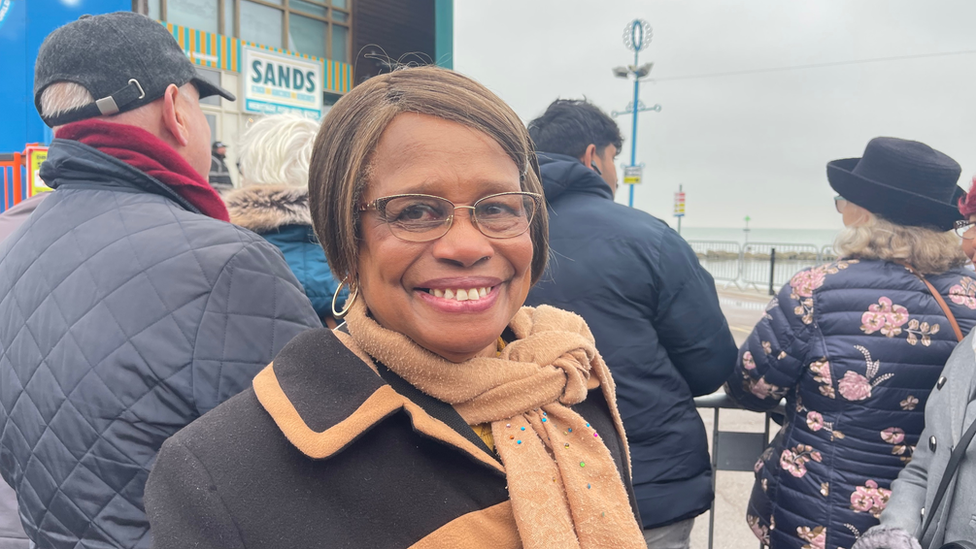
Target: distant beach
x: 817, y: 237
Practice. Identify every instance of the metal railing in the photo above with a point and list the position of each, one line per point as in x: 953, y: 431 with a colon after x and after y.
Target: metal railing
x: 827, y: 253
x: 722, y: 259
x: 758, y: 264
x: 759, y: 267
x: 733, y: 450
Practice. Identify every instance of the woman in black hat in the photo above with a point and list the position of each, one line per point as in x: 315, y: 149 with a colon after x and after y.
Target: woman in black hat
x: 933, y: 498
x: 856, y: 346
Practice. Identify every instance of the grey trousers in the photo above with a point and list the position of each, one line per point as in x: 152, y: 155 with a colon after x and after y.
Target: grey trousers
x: 672, y: 536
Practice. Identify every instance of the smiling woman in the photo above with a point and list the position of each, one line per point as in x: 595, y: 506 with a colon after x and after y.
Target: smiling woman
x: 443, y: 413
x: 396, y: 275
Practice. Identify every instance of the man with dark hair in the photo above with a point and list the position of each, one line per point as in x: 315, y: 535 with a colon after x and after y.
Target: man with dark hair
x: 129, y: 306
x: 573, y: 127
x: 653, y: 310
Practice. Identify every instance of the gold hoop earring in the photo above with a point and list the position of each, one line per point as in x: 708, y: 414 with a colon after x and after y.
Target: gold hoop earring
x: 349, y: 301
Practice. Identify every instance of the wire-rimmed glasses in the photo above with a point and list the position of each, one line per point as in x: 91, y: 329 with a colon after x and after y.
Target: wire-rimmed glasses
x: 423, y: 217
x: 963, y: 228
x: 840, y: 203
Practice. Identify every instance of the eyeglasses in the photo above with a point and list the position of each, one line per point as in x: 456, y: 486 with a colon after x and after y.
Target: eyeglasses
x: 963, y: 227
x: 840, y: 203
x: 422, y: 217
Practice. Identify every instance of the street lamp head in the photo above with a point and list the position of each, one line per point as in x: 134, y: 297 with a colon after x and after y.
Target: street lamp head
x: 637, y: 35
x: 644, y: 70
x: 620, y: 72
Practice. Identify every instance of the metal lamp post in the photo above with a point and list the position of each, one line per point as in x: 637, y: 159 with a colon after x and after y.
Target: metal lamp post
x: 637, y: 36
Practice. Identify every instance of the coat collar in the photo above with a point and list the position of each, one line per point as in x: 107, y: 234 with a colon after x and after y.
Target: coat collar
x: 71, y: 162
x: 264, y: 208
x: 323, y: 397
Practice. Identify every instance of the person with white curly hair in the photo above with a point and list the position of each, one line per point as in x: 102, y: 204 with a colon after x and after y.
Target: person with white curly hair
x: 274, y: 157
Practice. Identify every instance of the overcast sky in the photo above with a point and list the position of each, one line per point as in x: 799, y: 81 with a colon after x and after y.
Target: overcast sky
x: 749, y: 144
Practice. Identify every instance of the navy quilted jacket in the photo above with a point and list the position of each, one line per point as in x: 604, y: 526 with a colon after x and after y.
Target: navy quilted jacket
x: 125, y: 314
x: 655, y: 316
x: 855, y: 347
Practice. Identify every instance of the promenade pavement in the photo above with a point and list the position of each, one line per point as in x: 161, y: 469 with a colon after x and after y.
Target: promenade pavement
x: 743, y: 309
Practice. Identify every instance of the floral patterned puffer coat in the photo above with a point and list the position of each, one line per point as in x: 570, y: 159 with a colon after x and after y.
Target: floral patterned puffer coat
x: 855, y: 347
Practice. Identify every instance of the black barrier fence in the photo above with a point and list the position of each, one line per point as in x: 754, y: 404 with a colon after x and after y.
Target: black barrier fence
x: 732, y: 450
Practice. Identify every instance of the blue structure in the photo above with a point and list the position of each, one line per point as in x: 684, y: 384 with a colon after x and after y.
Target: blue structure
x: 637, y: 36
x: 23, y: 26
x: 25, y: 23
x: 444, y: 33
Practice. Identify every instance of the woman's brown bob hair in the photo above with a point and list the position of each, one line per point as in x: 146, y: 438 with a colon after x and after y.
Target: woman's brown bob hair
x: 341, y: 158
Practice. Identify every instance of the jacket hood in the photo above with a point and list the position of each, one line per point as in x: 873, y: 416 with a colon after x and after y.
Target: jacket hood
x: 263, y: 208
x: 562, y: 173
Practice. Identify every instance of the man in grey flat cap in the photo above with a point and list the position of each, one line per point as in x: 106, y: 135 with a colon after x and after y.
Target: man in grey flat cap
x: 129, y: 306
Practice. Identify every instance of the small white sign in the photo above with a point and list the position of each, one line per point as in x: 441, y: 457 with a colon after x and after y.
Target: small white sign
x: 35, y: 157
x: 275, y: 83
x: 633, y: 174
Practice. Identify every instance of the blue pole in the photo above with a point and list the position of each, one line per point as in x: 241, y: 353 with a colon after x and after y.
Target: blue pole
x: 633, y: 138
x: 638, y: 39
x: 444, y: 33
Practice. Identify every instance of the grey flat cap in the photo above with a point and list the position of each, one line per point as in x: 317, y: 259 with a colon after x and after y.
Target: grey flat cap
x: 125, y: 60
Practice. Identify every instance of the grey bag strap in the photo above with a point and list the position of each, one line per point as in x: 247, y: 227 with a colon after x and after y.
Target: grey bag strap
x: 959, y: 545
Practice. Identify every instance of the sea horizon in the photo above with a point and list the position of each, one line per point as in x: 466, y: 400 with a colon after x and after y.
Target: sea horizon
x: 815, y: 237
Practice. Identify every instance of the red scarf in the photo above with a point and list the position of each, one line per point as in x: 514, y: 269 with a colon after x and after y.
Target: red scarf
x: 150, y: 155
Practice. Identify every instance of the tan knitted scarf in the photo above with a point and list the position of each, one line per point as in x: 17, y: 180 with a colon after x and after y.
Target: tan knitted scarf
x: 565, y: 489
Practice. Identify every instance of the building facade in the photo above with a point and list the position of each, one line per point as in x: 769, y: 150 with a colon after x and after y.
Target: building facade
x: 296, y: 56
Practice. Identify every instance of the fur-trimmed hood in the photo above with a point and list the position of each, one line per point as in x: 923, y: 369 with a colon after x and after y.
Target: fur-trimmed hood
x: 263, y: 208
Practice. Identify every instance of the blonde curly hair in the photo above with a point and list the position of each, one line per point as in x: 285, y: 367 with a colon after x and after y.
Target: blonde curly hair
x: 927, y: 250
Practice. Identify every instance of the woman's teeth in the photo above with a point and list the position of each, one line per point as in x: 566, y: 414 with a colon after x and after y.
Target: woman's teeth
x: 472, y: 294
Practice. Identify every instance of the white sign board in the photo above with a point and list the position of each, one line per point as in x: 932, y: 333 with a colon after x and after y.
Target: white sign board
x: 275, y: 83
x: 679, y: 204
x: 632, y: 174
x: 35, y: 157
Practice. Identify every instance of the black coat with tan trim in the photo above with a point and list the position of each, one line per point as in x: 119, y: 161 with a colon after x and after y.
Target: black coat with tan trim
x: 322, y: 452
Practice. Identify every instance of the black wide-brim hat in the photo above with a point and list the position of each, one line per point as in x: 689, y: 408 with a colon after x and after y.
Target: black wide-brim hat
x: 905, y: 182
